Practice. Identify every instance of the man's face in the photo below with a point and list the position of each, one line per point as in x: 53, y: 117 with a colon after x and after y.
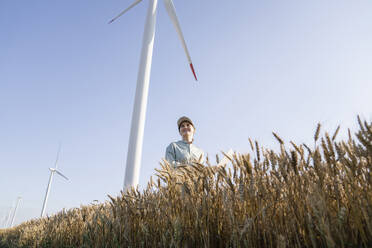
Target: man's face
x: 186, y: 129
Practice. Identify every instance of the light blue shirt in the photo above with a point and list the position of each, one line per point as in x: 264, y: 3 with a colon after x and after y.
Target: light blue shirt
x: 184, y: 153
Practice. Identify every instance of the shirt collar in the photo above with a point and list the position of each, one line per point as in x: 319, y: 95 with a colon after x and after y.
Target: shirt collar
x: 184, y: 142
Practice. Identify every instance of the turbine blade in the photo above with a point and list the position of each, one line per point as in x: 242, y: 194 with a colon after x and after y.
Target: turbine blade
x: 169, y: 6
x: 57, y: 158
x: 123, y: 12
x: 59, y: 173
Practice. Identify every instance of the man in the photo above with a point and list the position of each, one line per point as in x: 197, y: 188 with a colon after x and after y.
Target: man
x: 184, y: 151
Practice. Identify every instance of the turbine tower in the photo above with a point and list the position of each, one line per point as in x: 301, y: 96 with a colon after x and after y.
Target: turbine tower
x: 52, y: 171
x: 134, y: 156
x: 9, y: 215
x: 15, y: 211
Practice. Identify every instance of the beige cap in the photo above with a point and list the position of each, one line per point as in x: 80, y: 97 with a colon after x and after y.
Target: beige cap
x: 183, y: 119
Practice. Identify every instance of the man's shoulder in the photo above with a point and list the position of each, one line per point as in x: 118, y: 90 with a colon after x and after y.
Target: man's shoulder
x: 172, y: 144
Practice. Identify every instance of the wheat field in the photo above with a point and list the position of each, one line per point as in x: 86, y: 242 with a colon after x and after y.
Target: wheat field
x: 302, y: 196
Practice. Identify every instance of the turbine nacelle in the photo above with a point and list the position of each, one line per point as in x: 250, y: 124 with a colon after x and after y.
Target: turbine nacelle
x: 169, y: 6
x: 58, y: 172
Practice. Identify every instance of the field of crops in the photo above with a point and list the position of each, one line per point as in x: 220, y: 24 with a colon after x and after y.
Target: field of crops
x: 318, y: 196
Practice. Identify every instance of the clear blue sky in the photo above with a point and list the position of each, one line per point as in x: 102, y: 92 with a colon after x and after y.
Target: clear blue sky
x: 263, y: 66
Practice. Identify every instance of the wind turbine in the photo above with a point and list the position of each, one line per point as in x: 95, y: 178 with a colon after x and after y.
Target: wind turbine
x: 140, y: 102
x: 9, y: 215
x: 15, y: 211
x: 52, y: 171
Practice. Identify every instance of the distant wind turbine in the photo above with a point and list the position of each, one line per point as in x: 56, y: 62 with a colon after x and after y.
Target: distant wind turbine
x: 9, y: 215
x: 52, y: 171
x: 15, y: 211
x: 140, y: 102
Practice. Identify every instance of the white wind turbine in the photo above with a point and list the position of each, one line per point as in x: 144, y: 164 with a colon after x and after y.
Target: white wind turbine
x: 140, y: 102
x: 15, y: 211
x: 52, y: 171
x: 9, y: 215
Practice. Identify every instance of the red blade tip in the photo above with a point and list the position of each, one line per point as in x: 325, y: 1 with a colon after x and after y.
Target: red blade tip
x: 193, y: 71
